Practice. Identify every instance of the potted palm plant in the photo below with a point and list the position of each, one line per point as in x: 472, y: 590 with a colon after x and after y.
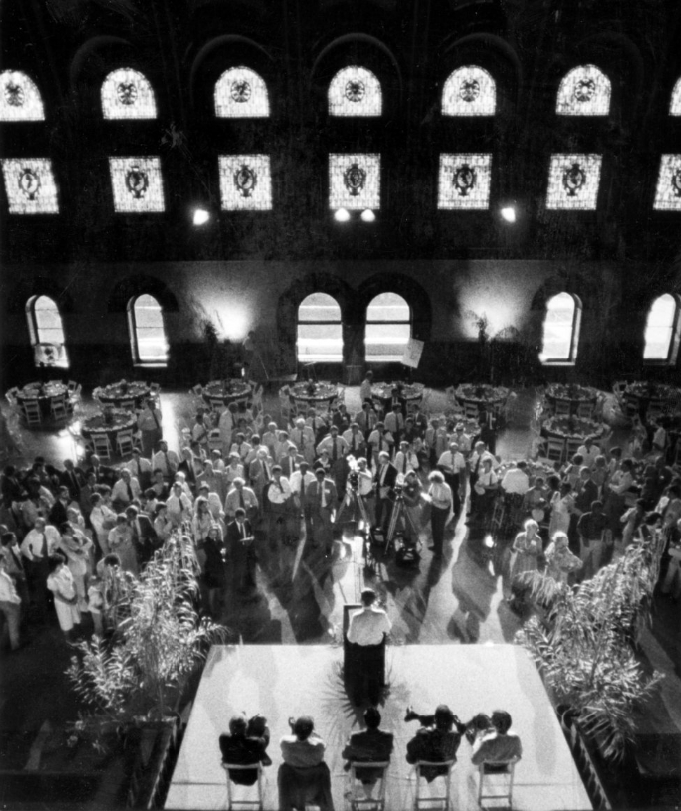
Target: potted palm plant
x: 585, y: 645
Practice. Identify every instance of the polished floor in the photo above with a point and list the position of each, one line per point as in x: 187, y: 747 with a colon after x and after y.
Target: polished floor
x: 453, y: 601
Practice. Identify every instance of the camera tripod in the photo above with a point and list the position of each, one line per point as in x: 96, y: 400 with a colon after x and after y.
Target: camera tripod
x: 354, y: 501
x: 399, y: 513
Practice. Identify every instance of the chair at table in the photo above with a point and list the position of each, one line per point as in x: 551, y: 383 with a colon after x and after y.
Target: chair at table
x: 75, y: 392
x: 216, y: 403
x: 656, y: 408
x: 102, y: 446
x: 585, y: 410
x: 555, y: 449
x: 58, y: 408
x: 233, y: 802
x: 426, y: 802
x: 32, y: 412
x: 125, y: 442
x: 359, y: 802
x: 471, y: 411
x: 561, y: 407
x: 573, y: 445
x: 493, y: 774
x: 128, y: 405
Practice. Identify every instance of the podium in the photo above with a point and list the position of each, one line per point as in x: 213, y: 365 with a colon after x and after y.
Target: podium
x: 355, y: 662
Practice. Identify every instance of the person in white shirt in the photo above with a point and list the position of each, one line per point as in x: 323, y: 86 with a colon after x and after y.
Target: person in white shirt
x: 367, y: 633
x: 588, y: 451
x: 240, y: 446
x: 484, y: 492
x: 60, y: 583
x: 365, y: 388
x: 453, y: 464
x: 10, y: 605
x: 380, y: 441
x: 216, y: 459
x: 125, y: 490
x: 179, y: 506
x: 165, y: 460
x: 437, y: 440
x: 41, y: 542
x: 516, y: 479
x: 282, y: 528
x: 355, y: 440
x: 140, y: 468
x: 270, y: 438
x: 394, y: 422
x: 226, y: 425
x: 303, y: 438
x: 300, y: 480
x: 241, y: 496
x: 405, y: 459
x: 214, y: 502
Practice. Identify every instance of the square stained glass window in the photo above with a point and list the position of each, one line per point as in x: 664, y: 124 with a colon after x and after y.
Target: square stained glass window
x: 573, y: 182
x: 30, y: 186
x: 245, y: 182
x: 668, y: 191
x: 464, y: 181
x: 137, y: 184
x: 19, y: 98
x: 355, y: 182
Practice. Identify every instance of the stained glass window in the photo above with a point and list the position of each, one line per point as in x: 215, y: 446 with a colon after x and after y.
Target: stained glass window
x: 320, y: 331
x: 585, y: 90
x: 147, y: 331
x: 573, y: 181
x: 245, y: 182
x: 660, y: 327
x: 388, y: 328
x: 241, y: 93
x: 469, y: 90
x: 20, y: 99
x: 355, y: 91
x: 46, y: 332
x: 137, y: 184
x: 30, y: 186
x: 561, y: 329
x: 127, y: 93
x: 355, y: 182
x: 464, y: 181
x: 675, y: 104
x: 668, y: 191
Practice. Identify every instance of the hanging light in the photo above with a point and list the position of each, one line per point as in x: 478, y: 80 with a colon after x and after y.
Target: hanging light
x: 342, y: 215
x: 367, y: 215
x: 200, y: 216
x: 508, y: 213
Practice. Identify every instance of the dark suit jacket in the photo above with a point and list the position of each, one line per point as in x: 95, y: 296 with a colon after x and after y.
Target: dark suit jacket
x: 390, y: 476
x: 147, y: 540
x: 189, y: 473
x: 233, y: 538
x: 312, y: 494
x: 434, y: 745
x: 240, y: 750
x: 369, y: 745
x: 58, y: 515
x: 103, y: 474
x: 67, y: 480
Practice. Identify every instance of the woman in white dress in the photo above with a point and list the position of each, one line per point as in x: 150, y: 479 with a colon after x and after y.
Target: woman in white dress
x: 103, y: 520
x: 122, y: 543
x: 562, y: 502
x: 60, y: 583
x: 76, y: 546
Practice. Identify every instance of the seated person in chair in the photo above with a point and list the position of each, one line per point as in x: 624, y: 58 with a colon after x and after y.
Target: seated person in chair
x: 496, y: 744
x: 246, y: 743
x: 303, y: 777
x: 437, y: 741
x: 371, y: 744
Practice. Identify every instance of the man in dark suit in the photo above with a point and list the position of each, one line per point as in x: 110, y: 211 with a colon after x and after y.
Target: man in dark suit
x: 73, y: 478
x: 437, y: 741
x: 143, y: 532
x: 58, y: 514
x: 241, y: 552
x: 290, y: 462
x: 102, y: 473
x: 371, y: 744
x: 385, y: 478
x: 246, y: 743
x: 321, y: 499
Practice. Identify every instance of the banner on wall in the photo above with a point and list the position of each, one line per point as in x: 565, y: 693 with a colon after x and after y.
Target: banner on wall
x: 412, y: 353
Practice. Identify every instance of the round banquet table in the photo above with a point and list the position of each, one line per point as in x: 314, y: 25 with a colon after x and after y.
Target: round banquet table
x: 321, y: 398
x: 411, y: 393
x: 640, y: 393
x: 44, y: 394
x: 483, y: 397
x: 576, y: 395
x: 121, y: 421
x: 234, y: 390
x: 115, y: 394
x: 572, y: 428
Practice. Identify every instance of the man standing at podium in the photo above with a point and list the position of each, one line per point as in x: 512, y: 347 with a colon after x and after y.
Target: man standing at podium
x: 367, y: 632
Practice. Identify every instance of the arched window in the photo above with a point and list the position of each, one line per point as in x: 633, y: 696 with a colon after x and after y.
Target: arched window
x: 668, y: 189
x: 320, y: 332
x: 241, y: 93
x: 355, y: 91
x: 388, y: 328
x: 561, y: 329
x: 585, y: 90
x: 147, y: 333
x: 20, y: 100
x: 661, y: 340
x: 469, y: 90
x: 675, y: 103
x: 46, y: 332
x: 30, y: 186
x: 127, y: 93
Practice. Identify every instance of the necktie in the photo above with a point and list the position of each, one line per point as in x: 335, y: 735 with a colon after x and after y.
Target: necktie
x: 243, y: 530
x: 267, y: 472
x: 241, y: 499
x: 44, y: 551
x: 321, y: 496
x: 354, y: 444
x: 335, y: 450
x: 130, y: 496
x: 404, y: 463
x: 165, y: 454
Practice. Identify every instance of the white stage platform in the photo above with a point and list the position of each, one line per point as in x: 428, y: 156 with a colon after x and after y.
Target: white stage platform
x: 280, y: 681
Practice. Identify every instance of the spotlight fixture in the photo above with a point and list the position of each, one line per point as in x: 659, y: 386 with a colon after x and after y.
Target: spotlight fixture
x: 200, y: 216
x: 508, y: 213
x: 342, y: 215
x: 367, y: 215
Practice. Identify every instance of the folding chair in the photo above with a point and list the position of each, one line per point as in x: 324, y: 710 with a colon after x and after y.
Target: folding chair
x: 58, y: 408
x: 125, y: 442
x: 216, y: 403
x: 128, y: 405
x: 102, y: 446
x: 491, y: 774
x: 585, y: 410
x: 555, y: 449
x: 561, y: 408
x: 75, y: 391
x: 573, y: 445
x: 656, y: 408
x: 421, y: 802
x: 232, y: 801
x: 32, y: 412
x: 355, y: 792
x: 471, y: 411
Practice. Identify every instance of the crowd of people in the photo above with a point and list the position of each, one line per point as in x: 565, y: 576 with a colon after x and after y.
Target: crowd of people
x: 304, y: 776
x: 248, y: 491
